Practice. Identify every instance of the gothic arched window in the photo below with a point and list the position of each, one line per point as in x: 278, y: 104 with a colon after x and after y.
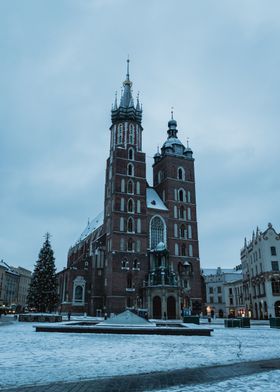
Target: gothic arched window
x: 130, y: 187
x: 181, y: 195
x: 182, y: 231
x: 130, y: 205
x: 131, y: 154
x: 181, y: 173
x: 130, y: 169
x: 181, y: 212
x: 130, y: 225
x: 157, y: 231
x: 131, y: 134
x: 130, y: 245
x: 120, y: 131
x: 78, y: 294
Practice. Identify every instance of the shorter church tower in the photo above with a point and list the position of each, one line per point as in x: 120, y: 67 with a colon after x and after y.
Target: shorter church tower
x: 174, y: 181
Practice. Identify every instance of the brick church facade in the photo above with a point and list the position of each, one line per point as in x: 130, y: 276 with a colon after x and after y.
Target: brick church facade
x: 142, y: 252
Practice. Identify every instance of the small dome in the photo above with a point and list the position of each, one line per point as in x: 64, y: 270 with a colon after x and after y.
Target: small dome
x: 160, y: 246
x: 172, y: 124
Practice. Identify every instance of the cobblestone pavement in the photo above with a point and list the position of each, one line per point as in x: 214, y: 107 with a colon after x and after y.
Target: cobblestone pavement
x: 157, y: 380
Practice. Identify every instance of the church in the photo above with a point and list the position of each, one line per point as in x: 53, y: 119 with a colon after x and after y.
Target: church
x: 141, y: 252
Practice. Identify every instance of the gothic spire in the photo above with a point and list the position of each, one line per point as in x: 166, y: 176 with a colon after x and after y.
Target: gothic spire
x: 172, y: 126
x: 126, y: 108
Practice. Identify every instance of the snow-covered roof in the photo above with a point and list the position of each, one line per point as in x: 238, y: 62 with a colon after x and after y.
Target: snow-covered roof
x: 216, y: 271
x: 154, y: 201
x: 91, y: 227
x: 7, y: 267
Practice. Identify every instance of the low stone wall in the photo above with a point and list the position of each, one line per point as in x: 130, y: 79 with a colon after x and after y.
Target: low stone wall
x: 41, y: 318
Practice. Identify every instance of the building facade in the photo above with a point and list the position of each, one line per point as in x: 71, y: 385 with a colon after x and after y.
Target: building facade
x: 234, y: 299
x: 260, y: 258
x: 142, y: 253
x: 14, y: 284
x: 217, y: 294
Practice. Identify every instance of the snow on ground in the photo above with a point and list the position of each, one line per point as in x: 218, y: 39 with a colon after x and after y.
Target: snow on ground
x: 29, y: 357
x: 257, y: 382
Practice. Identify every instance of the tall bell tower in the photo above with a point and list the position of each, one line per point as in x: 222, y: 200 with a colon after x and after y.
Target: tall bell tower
x: 125, y: 205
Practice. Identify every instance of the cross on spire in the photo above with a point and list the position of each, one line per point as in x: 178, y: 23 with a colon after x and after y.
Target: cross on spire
x: 127, y: 68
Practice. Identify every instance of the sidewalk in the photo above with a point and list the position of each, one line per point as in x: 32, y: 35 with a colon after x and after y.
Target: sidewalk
x: 158, y: 380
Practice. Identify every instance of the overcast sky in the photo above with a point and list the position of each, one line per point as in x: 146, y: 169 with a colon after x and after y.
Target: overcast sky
x: 216, y: 62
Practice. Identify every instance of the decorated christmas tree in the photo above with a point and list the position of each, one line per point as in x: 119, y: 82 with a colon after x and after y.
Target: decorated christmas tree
x: 42, y: 293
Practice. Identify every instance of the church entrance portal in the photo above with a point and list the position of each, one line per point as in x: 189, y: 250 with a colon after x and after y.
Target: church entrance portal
x: 157, y: 307
x: 171, y: 308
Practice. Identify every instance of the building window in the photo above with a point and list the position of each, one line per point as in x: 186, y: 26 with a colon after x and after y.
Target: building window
x: 138, y: 188
x: 175, y: 230
x: 189, y: 196
x: 131, y: 134
x: 130, y: 245
x: 138, y: 225
x: 182, y: 231
x: 181, y: 174
x: 122, y: 185
x: 183, y: 250
x: 190, y: 250
x: 78, y: 294
x: 130, y: 187
x: 273, y: 251
x: 131, y: 154
x: 130, y: 169
x: 274, y: 266
x: 138, y: 206
x: 130, y: 225
x: 181, y: 195
x: 122, y: 204
x: 121, y: 224
x: 275, y: 286
x: 189, y: 232
x: 189, y: 214
x: 175, y: 212
x: 130, y: 206
x: 157, y: 231
x: 219, y: 299
x: 211, y: 300
x: 122, y: 244
x: 163, y: 195
x: 138, y: 246
x: 231, y: 301
x: 176, y: 250
x: 120, y: 129
x: 160, y: 176
x: 181, y: 212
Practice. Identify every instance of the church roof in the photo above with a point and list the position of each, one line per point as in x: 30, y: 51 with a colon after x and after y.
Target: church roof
x: 154, y: 201
x: 91, y: 227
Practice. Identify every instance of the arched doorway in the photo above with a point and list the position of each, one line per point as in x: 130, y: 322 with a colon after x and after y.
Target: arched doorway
x: 277, y: 309
x: 171, y: 308
x: 157, y: 307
